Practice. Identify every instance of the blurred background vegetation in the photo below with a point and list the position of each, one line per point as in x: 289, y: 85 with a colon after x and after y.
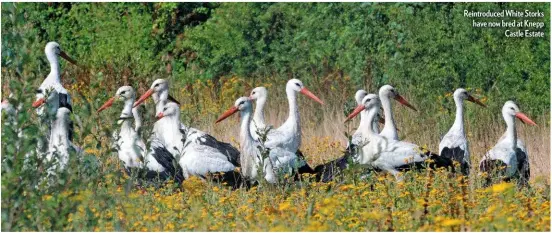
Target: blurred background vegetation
x: 429, y: 49
x: 215, y: 52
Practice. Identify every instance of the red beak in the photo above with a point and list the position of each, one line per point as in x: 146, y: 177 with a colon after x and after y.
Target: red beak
x: 226, y: 114
x: 39, y: 102
x: 474, y: 100
x: 66, y: 57
x: 525, y: 119
x: 143, y: 97
x: 355, y: 112
x: 309, y: 94
x: 403, y: 101
x: 106, y: 105
x: 160, y: 115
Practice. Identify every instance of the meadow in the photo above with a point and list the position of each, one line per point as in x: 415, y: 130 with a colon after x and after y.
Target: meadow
x: 207, y: 75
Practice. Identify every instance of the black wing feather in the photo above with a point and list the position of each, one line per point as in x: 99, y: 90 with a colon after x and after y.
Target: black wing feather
x: 456, y: 154
x: 165, y: 158
x: 228, y: 150
x: 523, y: 167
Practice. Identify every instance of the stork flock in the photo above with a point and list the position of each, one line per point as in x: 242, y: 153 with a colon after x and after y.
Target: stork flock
x: 178, y: 152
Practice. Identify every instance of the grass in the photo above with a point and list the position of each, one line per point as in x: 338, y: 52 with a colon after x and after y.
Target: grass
x: 424, y: 201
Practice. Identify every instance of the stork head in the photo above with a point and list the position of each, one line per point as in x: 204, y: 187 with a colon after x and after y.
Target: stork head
x: 369, y: 102
x: 390, y: 92
x: 297, y: 86
x: 512, y: 110
x: 158, y: 86
x: 123, y: 93
x: 53, y: 49
x: 170, y: 109
x: 258, y: 93
x: 359, y: 95
x: 241, y: 104
x: 461, y: 94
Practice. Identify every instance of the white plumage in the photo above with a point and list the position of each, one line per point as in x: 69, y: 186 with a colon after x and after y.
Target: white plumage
x: 279, y: 160
x: 258, y: 125
x: 509, y: 150
x: 383, y: 153
x: 387, y: 92
x: 288, y: 135
x: 454, y: 144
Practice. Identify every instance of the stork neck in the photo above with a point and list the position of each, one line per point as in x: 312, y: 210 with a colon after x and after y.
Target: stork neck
x: 459, y: 118
x: 388, y: 113
x: 53, y: 59
x: 245, y: 134
x: 371, y: 116
x: 258, y: 115
x: 511, y: 133
x: 249, y: 159
x: 137, y: 119
x: 293, y: 117
x: 364, y: 123
x: 163, y: 95
x: 126, y: 115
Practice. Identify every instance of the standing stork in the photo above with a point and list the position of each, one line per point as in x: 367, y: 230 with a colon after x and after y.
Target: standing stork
x: 53, y: 80
x: 389, y: 155
x: 454, y: 144
x: 279, y: 161
x: 197, y: 140
x: 509, y: 155
x: 52, y: 83
x: 130, y: 146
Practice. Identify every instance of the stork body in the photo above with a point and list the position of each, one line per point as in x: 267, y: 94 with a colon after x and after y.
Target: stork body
x: 131, y: 149
x: 454, y: 144
x: 195, y: 154
x: 509, y: 155
x: 191, y: 143
x: 387, y: 154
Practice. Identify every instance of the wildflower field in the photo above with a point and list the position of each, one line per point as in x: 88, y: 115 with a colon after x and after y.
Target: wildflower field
x: 214, y: 53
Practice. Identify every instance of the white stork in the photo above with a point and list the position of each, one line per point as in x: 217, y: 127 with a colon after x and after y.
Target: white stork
x: 130, y: 146
x: 197, y: 141
x: 509, y: 152
x: 196, y: 155
x: 279, y: 160
x: 454, y: 144
x: 387, y: 154
x: 288, y: 135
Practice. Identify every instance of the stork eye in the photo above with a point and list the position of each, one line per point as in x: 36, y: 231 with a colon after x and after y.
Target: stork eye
x: 123, y: 92
x: 38, y: 91
x: 252, y: 93
x: 297, y: 84
x: 165, y: 109
x: 241, y: 103
x: 512, y: 108
x: 156, y: 85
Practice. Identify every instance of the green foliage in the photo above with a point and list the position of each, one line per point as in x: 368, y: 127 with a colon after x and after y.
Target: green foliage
x: 425, y: 49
